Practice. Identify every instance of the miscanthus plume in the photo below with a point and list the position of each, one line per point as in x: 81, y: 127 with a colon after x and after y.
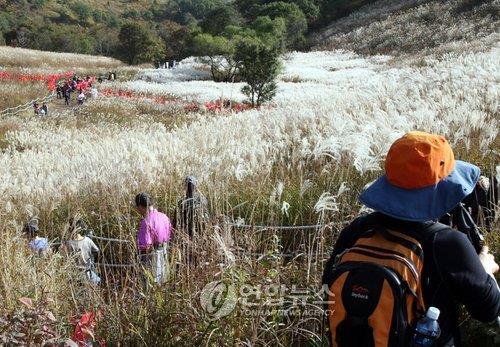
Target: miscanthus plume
x: 341, y: 107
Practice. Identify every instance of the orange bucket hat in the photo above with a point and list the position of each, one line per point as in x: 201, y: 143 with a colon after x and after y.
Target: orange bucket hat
x: 422, y: 180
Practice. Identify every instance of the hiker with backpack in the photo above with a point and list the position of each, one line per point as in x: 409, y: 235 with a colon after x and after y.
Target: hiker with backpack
x: 83, y: 248
x: 59, y: 91
x: 480, y: 205
x: 45, y: 109
x: 37, y: 244
x: 153, y: 236
x: 192, y: 211
x: 66, y: 92
x: 390, y: 267
x: 81, y: 97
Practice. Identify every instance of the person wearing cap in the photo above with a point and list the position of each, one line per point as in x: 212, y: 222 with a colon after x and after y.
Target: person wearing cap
x: 423, y: 182
x: 83, y: 248
x: 481, y: 205
x: 45, y: 109
x: 36, y: 108
x: 153, y: 236
x: 36, y: 243
x: 192, y: 210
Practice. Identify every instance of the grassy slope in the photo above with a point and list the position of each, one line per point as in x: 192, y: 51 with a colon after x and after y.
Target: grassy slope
x: 415, y: 27
x: 13, y: 57
x: 174, y: 307
x: 28, y: 61
x: 366, y: 15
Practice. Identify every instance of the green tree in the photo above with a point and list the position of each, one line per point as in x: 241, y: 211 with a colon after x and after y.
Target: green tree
x: 38, y: 3
x: 296, y: 23
x: 111, y: 20
x: 139, y: 45
x: 217, y: 20
x: 309, y: 7
x: 199, y: 9
x: 175, y: 37
x: 6, y: 20
x: 271, y: 31
x: 65, y: 16
x: 251, y: 8
x: 248, y: 8
x: 82, y: 43
x: 49, y: 38
x: 132, y: 13
x: 217, y: 51
x: 259, y: 67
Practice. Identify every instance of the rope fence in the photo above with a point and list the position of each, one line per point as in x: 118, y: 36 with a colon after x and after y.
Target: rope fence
x: 282, y: 255
x: 100, y: 238
x: 238, y: 252
x: 24, y: 107
x: 278, y: 227
x: 115, y: 265
x: 242, y: 226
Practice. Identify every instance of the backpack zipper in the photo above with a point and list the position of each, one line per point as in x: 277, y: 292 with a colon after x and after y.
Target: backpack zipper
x: 371, y: 253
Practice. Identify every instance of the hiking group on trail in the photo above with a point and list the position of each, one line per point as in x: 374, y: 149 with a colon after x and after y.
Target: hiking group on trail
x: 77, y: 85
x: 397, y: 276
x: 40, y: 110
x: 153, y: 235
x: 83, y: 88
x: 63, y: 91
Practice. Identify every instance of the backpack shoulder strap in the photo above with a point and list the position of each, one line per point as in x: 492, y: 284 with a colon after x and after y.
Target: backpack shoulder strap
x: 430, y: 237
x: 422, y: 235
x: 430, y: 231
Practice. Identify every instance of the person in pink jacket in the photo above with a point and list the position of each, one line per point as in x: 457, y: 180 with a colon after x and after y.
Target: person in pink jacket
x: 153, y: 236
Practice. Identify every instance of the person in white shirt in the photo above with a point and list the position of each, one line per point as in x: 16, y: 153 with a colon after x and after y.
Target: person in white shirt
x: 81, y: 98
x: 84, y: 249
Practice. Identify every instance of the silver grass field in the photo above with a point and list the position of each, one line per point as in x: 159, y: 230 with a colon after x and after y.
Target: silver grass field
x: 301, y: 160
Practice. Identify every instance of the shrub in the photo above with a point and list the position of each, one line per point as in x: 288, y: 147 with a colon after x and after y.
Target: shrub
x: 83, y: 11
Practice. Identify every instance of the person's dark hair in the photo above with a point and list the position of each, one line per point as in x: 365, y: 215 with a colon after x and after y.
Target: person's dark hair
x: 143, y: 200
x: 77, y: 226
x: 31, y: 228
x: 77, y: 223
x: 191, y: 184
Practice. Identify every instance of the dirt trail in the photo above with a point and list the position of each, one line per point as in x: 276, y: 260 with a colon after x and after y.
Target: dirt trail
x: 57, y: 106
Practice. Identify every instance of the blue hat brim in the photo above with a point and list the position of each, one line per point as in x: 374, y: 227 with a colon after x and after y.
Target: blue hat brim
x: 423, y: 204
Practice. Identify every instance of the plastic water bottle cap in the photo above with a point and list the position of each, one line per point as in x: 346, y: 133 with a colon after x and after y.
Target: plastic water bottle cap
x: 433, y: 313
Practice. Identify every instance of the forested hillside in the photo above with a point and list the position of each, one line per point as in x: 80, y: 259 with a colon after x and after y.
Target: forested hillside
x: 93, y: 26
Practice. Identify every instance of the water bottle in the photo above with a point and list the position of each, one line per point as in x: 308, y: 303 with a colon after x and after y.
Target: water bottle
x: 427, y: 329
